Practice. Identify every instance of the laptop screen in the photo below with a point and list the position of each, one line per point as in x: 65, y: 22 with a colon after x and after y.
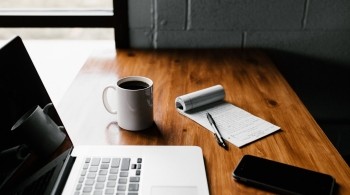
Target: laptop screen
x: 21, y: 89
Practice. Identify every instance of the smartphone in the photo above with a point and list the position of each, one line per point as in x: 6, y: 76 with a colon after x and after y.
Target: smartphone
x: 282, y: 178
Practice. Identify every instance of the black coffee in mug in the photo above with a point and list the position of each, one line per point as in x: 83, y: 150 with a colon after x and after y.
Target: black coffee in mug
x: 133, y: 85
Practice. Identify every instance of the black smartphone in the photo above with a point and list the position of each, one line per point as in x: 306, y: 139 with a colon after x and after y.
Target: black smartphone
x: 282, y: 178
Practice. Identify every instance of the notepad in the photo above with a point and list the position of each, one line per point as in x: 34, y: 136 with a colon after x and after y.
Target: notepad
x: 236, y: 125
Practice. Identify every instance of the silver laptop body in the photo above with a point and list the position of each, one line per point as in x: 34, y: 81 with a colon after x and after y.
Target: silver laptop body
x: 107, y: 169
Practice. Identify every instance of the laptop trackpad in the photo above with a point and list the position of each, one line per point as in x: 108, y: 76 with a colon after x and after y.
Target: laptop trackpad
x: 174, y: 190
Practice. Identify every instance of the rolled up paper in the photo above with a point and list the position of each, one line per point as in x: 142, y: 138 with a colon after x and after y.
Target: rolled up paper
x: 199, y: 98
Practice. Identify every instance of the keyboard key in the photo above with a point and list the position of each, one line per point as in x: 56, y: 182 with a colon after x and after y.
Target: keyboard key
x: 125, y: 164
x: 103, y: 172
x: 104, y: 166
x: 95, y: 161
x: 81, y: 179
x: 100, y: 185
x: 133, y: 187
x: 90, y: 182
x: 123, y: 181
x: 106, y: 160
x: 86, y: 165
x: 115, y: 162
x: 93, y: 169
x: 139, y: 160
x: 101, y: 178
x: 98, y: 192
x: 134, y: 179
x: 121, y: 188
x: 138, y: 172
x: 91, y: 175
x: 87, y: 189
x: 113, y: 171
x: 113, y: 177
x: 109, y: 191
x: 111, y: 184
x: 124, y: 174
x: 83, y: 172
x: 79, y: 186
x: 138, y: 166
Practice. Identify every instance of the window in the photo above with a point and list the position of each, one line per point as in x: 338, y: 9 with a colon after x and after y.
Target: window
x: 75, y: 19
x: 57, y: 4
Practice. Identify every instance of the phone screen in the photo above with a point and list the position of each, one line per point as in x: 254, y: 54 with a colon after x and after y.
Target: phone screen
x: 281, y: 177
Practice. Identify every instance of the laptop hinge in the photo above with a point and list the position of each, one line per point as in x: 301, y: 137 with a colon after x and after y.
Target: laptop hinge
x: 63, y: 175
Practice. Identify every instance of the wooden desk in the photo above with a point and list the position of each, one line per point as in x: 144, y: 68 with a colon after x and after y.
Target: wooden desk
x: 251, y: 82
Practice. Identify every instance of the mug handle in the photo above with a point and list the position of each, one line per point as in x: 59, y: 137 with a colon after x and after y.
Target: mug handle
x: 47, y: 107
x: 105, y: 100
x: 46, y: 111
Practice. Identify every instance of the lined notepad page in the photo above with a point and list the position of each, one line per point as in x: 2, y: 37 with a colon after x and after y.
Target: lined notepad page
x: 236, y: 125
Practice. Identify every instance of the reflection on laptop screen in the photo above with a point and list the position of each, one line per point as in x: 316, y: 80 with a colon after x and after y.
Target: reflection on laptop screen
x: 21, y: 89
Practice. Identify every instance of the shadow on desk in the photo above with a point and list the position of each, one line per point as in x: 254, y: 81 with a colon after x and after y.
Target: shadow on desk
x: 323, y: 86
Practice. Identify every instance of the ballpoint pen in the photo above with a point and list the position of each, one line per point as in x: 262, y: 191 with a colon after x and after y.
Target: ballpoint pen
x: 217, y: 134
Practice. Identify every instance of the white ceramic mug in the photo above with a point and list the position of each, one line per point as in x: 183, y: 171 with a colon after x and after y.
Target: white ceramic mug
x: 134, y: 102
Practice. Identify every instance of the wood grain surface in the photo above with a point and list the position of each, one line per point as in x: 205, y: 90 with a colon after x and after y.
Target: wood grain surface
x: 251, y: 82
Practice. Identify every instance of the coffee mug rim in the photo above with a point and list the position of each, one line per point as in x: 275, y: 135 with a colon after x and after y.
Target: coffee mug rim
x: 135, y: 78
x: 24, y: 117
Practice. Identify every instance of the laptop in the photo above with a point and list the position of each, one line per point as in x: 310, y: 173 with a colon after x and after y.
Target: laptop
x: 103, y: 169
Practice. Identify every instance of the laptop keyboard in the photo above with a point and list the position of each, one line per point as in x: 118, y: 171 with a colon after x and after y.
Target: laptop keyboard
x: 120, y: 176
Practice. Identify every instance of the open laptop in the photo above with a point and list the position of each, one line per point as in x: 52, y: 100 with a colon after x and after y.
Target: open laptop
x: 154, y: 170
